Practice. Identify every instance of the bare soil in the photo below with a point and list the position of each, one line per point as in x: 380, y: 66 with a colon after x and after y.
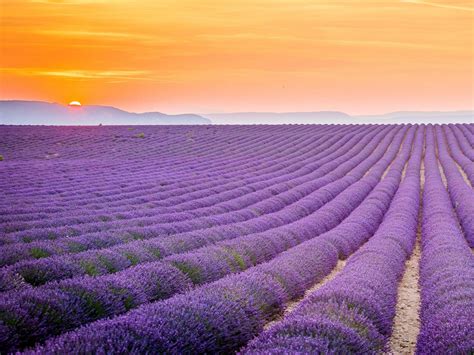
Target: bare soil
x: 406, y: 324
x: 292, y: 305
x: 463, y: 173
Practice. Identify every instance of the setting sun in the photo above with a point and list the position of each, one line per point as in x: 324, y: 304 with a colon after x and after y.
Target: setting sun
x: 75, y: 103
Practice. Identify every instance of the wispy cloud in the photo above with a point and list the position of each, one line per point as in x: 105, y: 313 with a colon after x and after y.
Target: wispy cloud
x: 109, y: 36
x: 83, y: 74
x: 394, y: 44
x: 99, y: 74
x: 315, y: 40
x: 101, y: 34
x: 445, y: 6
x: 249, y: 36
x: 106, y: 76
x: 70, y: 2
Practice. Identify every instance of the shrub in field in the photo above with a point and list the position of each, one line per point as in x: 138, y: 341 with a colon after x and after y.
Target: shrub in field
x: 462, y: 195
x: 35, y: 314
x: 215, y: 317
x: 463, y: 157
x: 446, y: 270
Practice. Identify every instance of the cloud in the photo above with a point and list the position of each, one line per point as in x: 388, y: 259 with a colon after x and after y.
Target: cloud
x: 394, y: 44
x: 108, y: 76
x: 70, y: 2
x: 82, y: 74
x: 314, y: 41
x: 248, y: 36
x: 445, y: 6
x: 99, y: 34
x: 99, y: 74
x: 109, y: 36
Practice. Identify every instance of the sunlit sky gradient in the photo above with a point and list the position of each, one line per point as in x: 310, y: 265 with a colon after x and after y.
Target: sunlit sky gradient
x: 200, y: 56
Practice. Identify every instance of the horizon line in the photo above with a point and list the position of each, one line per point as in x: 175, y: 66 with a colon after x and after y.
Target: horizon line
x: 466, y: 110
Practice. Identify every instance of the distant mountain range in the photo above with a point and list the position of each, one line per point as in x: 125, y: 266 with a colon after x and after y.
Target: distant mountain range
x: 44, y: 113
x: 335, y: 117
x: 421, y: 117
x: 280, y: 118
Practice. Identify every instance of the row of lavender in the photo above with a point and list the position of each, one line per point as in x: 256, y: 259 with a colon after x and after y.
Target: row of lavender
x: 447, y: 264
x: 327, y: 220
x: 222, y: 201
x: 98, y: 262
x: 207, y: 155
x: 51, y: 233
x: 276, y: 279
x: 95, y: 188
x: 354, y: 312
x: 38, y: 251
x: 207, y: 197
x: 202, y: 266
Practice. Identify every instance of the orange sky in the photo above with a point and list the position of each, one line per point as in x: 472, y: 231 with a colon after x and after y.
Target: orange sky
x: 240, y: 55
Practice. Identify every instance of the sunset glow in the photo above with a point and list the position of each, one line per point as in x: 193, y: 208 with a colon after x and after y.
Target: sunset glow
x: 240, y: 55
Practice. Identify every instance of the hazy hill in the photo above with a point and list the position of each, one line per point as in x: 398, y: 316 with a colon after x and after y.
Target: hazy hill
x: 279, y: 118
x: 328, y: 117
x: 44, y: 113
x: 421, y: 117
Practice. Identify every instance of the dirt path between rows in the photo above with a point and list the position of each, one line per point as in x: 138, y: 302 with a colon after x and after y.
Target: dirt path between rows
x: 463, y: 173
x: 406, y: 324
x: 292, y: 305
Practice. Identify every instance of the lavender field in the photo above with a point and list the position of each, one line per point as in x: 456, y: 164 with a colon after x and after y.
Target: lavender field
x: 220, y: 239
